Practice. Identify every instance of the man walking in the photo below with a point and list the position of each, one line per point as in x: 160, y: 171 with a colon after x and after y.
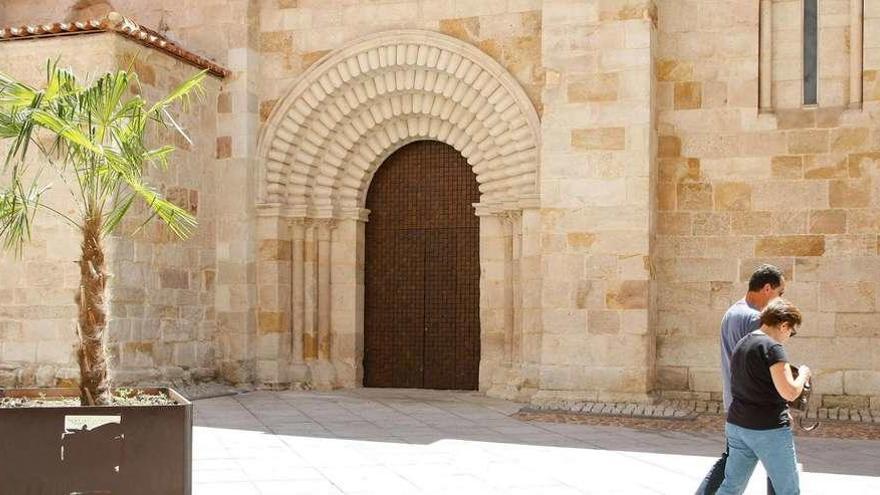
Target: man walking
x: 744, y: 317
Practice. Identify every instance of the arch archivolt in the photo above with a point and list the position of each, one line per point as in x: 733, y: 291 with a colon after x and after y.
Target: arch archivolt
x: 325, y: 140
x: 319, y: 151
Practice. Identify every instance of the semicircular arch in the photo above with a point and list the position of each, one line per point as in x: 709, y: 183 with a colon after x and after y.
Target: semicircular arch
x: 358, y: 104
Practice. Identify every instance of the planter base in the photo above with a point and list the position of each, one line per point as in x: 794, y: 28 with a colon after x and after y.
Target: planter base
x: 107, y: 450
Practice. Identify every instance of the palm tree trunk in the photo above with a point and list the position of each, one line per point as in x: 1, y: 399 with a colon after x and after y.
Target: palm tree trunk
x: 92, y: 297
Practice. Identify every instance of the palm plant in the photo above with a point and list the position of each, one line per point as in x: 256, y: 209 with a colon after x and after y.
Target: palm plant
x: 93, y: 136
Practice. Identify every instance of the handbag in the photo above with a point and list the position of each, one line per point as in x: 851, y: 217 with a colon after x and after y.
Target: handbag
x: 802, y: 402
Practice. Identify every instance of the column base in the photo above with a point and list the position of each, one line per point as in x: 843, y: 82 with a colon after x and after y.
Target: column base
x: 322, y: 375
x: 300, y: 376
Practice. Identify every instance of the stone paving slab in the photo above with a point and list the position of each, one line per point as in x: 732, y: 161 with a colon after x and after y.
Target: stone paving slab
x: 380, y: 441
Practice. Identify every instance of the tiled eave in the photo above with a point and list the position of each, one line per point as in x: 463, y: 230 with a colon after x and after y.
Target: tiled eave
x: 115, y: 22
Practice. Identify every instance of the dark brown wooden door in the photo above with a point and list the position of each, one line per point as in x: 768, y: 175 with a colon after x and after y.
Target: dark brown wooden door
x: 422, y: 271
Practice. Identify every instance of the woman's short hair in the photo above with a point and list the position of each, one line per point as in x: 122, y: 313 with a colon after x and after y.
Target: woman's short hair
x: 779, y: 311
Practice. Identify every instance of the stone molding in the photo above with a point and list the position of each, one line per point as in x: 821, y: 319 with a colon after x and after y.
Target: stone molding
x: 359, y: 104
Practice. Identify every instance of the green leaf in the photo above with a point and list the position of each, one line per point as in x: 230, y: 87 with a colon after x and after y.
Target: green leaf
x: 182, y: 92
x: 10, y: 125
x: 14, y: 93
x: 180, y: 221
x: 99, y: 135
x: 17, y: 207
x: 159, y: 155
x: 70, y: 133
x: 115, y: 217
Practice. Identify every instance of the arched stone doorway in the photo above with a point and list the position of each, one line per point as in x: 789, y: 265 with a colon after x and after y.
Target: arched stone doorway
x: 321, y: 147
x: 422, y: 271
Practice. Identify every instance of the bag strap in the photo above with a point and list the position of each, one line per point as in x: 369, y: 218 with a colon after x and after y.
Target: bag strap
x: 807, y: 428
x: 803, y: 415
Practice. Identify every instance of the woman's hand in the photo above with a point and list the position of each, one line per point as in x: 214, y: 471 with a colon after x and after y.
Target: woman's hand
x: 804, y: 370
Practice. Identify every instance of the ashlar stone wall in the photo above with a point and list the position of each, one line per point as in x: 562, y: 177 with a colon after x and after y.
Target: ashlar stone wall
x: 661, y: 186
x: 163, y: 324
x: 797, y: 187
x: 227, y: 32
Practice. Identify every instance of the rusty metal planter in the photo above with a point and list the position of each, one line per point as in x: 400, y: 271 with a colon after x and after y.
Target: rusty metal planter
x: 104, y: 450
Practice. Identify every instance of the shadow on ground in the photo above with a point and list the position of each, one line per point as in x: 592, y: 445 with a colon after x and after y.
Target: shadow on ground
x: 424, y: 417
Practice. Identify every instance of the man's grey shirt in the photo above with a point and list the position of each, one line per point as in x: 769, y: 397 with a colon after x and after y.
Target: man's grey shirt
x: 739, y: 320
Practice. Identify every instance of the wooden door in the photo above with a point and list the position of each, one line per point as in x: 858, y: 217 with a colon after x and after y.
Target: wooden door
x: 422, y: 272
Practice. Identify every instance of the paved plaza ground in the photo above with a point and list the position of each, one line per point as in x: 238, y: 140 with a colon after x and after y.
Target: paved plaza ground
x: 384, y: 441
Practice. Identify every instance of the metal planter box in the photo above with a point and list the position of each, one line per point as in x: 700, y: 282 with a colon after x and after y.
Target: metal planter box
x: 106, y: 450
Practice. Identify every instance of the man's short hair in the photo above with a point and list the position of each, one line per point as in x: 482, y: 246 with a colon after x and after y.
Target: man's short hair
x: 779, y: 311
x: 763, y: 275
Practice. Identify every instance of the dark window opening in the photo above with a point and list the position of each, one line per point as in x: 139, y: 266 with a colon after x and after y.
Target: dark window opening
x: 811, y: 29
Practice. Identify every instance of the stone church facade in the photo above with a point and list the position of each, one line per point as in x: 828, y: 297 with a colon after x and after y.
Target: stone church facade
x: 630, y: 162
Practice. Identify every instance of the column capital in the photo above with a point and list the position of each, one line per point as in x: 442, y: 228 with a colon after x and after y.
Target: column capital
x: 359, y: 214
x: 510, y: 217
x: 327, y: 223
x: 280, y: 210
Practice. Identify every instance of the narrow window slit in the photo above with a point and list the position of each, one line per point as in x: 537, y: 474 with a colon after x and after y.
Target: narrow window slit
x: 810, y: 52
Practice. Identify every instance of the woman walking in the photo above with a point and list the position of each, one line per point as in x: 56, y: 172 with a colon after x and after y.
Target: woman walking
x: 758, y: 421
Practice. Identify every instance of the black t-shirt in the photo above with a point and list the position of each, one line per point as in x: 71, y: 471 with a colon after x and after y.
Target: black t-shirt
x: 756, y: 403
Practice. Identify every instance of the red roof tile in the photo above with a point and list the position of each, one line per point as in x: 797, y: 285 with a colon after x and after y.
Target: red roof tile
x: 115, y: 22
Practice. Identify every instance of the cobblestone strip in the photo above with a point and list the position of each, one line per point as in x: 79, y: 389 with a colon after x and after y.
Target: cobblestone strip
x: 685, y: 409
x: 662, y: 410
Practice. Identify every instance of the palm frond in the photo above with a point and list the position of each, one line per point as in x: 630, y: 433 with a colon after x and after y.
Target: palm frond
x: 10, y: 124
x: 159, y: 155
x: 168, y: 118
x: 98, y: 132
x: 60, y: 82
x: 71, y: 133
x: 17, y: 207
x: 14, y: 93
x: 114, y: 218
x: 182, y: 93
x: 180, y: 221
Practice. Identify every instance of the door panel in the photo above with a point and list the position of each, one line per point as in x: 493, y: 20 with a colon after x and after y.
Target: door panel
x: 422, y: 271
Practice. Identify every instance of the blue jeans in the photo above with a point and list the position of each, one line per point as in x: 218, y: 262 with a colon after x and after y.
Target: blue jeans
x: 774, y: 448
x: 715, y: 477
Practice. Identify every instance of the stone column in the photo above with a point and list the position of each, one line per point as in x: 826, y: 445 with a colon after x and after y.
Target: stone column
x: 347, y: 293
x: 501, y: 302
x: 530, y: 282
x: 509, y: 220
x: 310, y: 292
x: 317, y: 342
x: 325, y: 226
x: 299, y: 371
x: 516, y: 283
x: 495, y: 298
